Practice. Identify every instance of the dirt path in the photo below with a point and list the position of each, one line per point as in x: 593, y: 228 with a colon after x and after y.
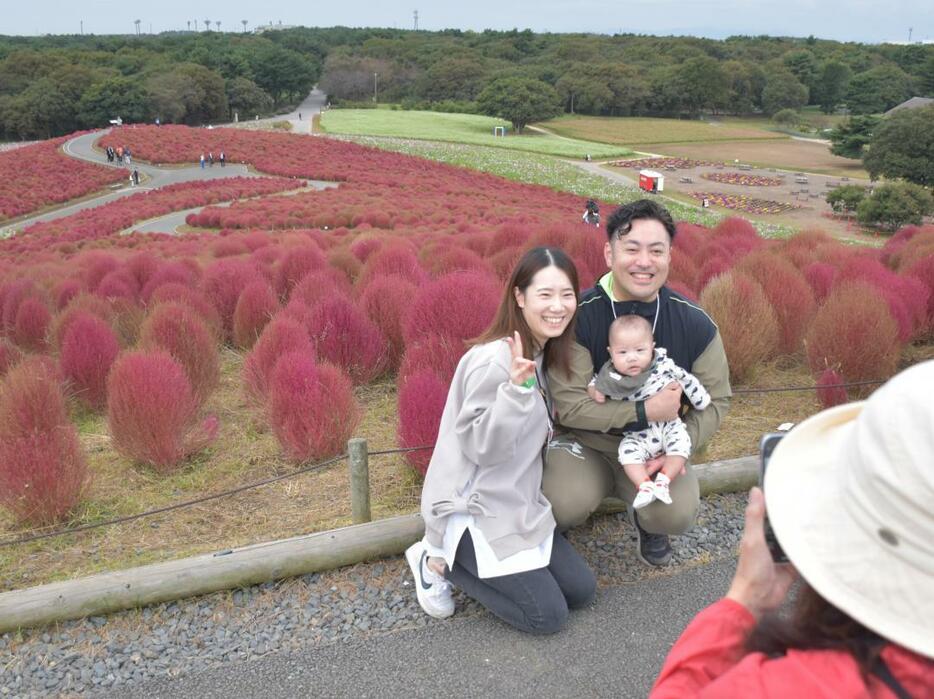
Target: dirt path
x: 802, y: 191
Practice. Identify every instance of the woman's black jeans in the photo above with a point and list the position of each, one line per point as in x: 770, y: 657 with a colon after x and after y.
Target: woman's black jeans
x: 535, y: 601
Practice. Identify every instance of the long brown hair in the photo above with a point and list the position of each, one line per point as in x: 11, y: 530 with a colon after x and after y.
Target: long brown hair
x: 816, y: 624
x: 509, y: 318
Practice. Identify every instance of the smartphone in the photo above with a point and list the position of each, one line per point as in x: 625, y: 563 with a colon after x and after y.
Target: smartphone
x: 766, y: 447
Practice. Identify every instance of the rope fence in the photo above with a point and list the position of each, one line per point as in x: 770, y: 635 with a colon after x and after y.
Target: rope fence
x: 359, y: 476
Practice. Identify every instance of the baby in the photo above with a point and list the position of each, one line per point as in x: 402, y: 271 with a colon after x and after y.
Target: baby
x: 638, y: 370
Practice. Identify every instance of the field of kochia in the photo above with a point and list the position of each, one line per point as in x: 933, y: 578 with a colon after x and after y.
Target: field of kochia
x: 268, y: 334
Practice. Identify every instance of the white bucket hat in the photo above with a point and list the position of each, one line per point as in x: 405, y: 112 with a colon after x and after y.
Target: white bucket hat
x: 850, y: 495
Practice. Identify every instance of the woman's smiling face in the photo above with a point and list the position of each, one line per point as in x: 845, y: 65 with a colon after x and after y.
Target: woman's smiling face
x: 548, y: 303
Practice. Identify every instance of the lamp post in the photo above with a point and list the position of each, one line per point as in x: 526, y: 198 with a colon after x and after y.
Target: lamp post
x: 375, y: 86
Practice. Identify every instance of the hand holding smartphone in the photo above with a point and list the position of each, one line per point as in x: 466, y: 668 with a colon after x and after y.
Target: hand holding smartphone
x: 766, y: 447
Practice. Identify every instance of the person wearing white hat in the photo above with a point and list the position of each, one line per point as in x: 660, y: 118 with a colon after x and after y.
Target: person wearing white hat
x: 850, y: 497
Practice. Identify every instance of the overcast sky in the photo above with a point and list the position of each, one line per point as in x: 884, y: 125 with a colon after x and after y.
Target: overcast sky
x: 845, y: 20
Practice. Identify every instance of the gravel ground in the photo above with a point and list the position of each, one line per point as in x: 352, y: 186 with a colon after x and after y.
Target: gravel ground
x: 102, y: 654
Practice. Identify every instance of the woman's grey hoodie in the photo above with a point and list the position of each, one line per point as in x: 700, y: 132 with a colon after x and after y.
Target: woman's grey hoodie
x: 491, y: 437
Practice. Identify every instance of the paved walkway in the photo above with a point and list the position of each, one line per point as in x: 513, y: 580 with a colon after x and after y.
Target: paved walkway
x: 154, y: 177
x: 613, y: 649
x: 300, y: 118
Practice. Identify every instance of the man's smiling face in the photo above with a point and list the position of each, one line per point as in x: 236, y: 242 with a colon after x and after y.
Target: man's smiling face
x: 639, y: 260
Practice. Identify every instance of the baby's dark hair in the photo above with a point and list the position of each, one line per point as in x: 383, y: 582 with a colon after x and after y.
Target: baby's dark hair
x: 630, y: 322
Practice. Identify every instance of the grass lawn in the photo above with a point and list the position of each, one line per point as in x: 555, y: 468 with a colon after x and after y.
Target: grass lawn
x: 457, y: 128
x: 635, y: 131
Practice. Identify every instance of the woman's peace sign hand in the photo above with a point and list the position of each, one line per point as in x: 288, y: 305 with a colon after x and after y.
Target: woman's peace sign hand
x: 522, y: 369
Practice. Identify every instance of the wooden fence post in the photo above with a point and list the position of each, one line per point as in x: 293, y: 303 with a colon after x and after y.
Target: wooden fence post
x: 359, y: 480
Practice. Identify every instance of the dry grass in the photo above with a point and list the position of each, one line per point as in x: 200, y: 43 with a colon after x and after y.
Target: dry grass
x: 637, y: 131
x: 246, y: 451
x: 787, y: 154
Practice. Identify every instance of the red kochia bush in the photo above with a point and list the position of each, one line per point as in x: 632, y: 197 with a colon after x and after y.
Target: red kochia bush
x: 394, y: 258
x: 820, y: 276
x: 167, y: 273
x: 311, y: 407
x: 421, y: 402
x: 906, y: 299
x: 344, y: 261
x: 152, y: 411
x: 854, y: 334
x: 96, y: 265
x: 711, y: 268
x: 343, y: 335
x: 89, y: 348
x: 435, y: 352
x: 178, y: 330
x: 9, y: 356
x: 362, y: 248
x: 255, y: 307
x: 118, y: 284
x: 923, y: 271
x: 141, y: 267
x: 222, y: 283
x: 280, y: 336
x: 82, y: 303
x: 683, y: 289
x: 385, y: 301
x: 683, y: 269
x: 455, y: 259
x: 830, y: 392
x: 65, y: 291
x: 179, y: 293
x: 788, y: 292
x: 319, y: 286
x: 12, y: 295
x: 458, y: 305
x: 31, y: 324
x: 295, y: 264
x: 42, y: 471
x: 746, y: 321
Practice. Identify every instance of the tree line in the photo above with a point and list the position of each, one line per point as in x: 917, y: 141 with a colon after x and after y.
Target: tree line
x: 53, y: 85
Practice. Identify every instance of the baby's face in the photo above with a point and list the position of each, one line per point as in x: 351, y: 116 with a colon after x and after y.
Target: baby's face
x: 631, y: 350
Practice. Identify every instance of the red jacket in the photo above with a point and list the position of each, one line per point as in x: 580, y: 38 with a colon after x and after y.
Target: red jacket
x: 709, y: 661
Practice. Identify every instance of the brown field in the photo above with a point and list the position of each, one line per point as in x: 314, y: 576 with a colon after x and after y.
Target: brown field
x: 632, y: 131
x: 810, y: 207
x: 787, y: 154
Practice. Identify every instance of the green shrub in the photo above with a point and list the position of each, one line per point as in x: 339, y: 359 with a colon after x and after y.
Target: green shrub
x: 786, y: 117
x: 846, y: 198
x: 893, y: 205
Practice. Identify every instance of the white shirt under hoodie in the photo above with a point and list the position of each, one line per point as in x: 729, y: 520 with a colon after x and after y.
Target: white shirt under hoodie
x: 485, y: 473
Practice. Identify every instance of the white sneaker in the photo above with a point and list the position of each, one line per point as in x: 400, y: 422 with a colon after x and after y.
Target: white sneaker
x: 644, y: 496
x: 433, y: 591
x: 661, y: 488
